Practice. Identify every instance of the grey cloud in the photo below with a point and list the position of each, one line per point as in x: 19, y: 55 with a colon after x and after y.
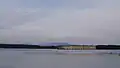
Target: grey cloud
x: 11, y: 18
x: 78, y: 4
x: 97, y: 24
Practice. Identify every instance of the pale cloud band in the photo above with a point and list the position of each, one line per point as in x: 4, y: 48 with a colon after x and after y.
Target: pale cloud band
x: 94, y: 22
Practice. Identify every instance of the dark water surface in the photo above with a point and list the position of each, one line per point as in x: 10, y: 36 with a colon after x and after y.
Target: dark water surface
x: 37, y: 59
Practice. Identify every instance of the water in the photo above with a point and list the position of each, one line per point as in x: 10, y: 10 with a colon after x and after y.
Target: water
x: 37, y: 59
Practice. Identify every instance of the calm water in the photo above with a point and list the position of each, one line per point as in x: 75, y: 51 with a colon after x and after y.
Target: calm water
x: 36, y: 59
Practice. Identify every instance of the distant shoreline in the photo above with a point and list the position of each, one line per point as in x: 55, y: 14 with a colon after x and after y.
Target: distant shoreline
x: 27, y: 46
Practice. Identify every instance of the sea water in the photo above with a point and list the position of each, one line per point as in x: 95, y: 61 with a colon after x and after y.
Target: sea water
x: 40, y: 59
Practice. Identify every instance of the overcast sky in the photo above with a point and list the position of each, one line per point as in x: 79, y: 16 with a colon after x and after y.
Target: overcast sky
x: 83, y: 21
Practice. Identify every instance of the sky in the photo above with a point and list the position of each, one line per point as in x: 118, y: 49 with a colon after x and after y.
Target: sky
x: 79, y: 21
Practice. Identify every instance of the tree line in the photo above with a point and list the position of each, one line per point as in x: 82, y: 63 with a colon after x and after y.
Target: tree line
x: 27, y: 46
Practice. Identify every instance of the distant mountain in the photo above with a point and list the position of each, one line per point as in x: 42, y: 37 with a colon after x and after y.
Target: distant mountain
x: 53, y: 43
x: 82, y: 40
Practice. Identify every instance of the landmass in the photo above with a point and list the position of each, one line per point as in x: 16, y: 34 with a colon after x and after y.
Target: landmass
x: 28, y: 46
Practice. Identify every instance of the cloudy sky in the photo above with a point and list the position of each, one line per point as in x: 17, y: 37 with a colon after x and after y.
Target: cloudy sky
x: 83, y: 21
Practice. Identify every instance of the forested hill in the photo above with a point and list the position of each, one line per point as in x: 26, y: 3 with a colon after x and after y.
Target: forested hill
x: 26, y: 46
